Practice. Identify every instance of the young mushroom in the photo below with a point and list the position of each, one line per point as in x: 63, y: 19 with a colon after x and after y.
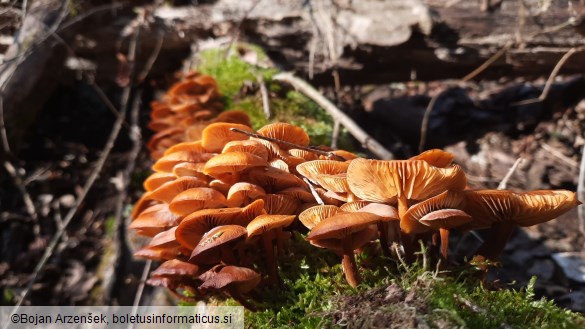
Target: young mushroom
x: 269, y: 229
x: 341, y: 229
x: 218, y: 245
x: 237, y: 281
x: 502, y: 211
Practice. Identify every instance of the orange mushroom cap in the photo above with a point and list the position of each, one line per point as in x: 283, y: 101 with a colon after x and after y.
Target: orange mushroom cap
x: 384, y: 181
x: 285, y: 132
x: 195, y: 199
x: 208, y: 250
x: 314, y: 215
x: 232, y: 163
x: 217, y: 135
x: 435, y: 157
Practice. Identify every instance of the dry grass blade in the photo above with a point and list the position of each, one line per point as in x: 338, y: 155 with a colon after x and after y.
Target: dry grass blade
x: 581, y: 192
x: 504, y: 183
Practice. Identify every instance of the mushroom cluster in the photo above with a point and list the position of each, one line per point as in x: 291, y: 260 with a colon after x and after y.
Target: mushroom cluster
x: 222, y: 201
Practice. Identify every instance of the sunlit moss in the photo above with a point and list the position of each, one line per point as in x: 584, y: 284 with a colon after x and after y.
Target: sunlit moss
x: 232, y: 73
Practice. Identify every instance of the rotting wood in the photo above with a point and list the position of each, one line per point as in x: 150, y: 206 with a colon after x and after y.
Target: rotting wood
x: 367, y: 141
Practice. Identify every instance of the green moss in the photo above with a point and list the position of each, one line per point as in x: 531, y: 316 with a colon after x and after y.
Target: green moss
x: 316, y: 295
x: 285, y: 106
x: 479, y: 307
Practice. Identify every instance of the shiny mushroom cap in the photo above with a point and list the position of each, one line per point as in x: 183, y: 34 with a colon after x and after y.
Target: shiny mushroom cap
x: 342, y: 225
x: 523, y: 209
x: 317, y: 214
x: 243, y: 193
x: 155, y: 219
x: 232, y: 163
x: 265, y: 223
x: 215, y: 136
x: 285, y: 132
x: 169, y: 161
x: 248, y: 146
x: 166, y: 192
x: 157, y: 179
x: 193, y: 227
x: 436, y: 157
x: 242, y: 279
x: 195, y: 199
x: 448, y: 200
x: 208, y: 250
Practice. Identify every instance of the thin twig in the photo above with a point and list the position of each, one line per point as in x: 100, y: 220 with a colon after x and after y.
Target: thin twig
x: 504, y: 183
x: 152, y: 59
x: 314, y: 192
x: 141, y: 285
x: 424, y: 126
x: 581, y: 192
x: 26, y: 198
x: 370, y: 143
x: 551, y: 78
x: 264, y: 94
x: 88, y: 184
x: 554, y: 152
x: 335, y: 134
x: 292, y: 145
x: 488, y: 62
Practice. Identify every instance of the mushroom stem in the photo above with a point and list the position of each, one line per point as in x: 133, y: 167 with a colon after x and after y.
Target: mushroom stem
x: 280, y: 239
x: 383, y: 228
x: 496, y: 240
x: 407, y: 239
x: 233, y: 292
x: 270, y: 259
x: 444, y: 242
x: 349, y: 266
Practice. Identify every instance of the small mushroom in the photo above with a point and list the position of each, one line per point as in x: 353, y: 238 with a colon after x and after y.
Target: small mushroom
x: 329, y: 174
x: 343, y: 227
x: 436, y: 157
x: 502, y: 211
x: 314, y: 215
x: 242, y: 194
x: 157, y: 179
x: 248, y: 146
x: 285, y: 132
x: 195, y: 199
x: 154, y: 220
x: 169, y: 161
x: 166, y: 192
x: 163, y: 246
x: 236, y: 280
x: 269, y: 229
x: 229, y: 166
x: 217, y: 135
x: 193, y: 227
x: 234, y: 116
x: 218, y: 244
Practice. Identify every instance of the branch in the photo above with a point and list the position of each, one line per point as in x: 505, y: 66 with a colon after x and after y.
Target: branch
x: 370, y: 143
